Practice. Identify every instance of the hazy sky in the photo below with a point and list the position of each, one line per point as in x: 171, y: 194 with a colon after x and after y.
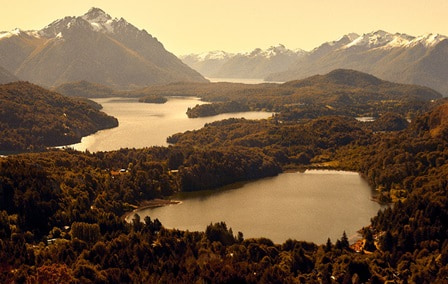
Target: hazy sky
x: 191, y: 26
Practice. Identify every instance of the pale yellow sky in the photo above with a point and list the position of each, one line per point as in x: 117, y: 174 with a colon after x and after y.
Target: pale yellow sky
x: 191, y: 26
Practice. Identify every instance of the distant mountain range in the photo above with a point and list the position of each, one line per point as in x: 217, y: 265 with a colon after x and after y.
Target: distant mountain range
x: 255, y: 64
x: 396, y: 57
x: 93, y: 47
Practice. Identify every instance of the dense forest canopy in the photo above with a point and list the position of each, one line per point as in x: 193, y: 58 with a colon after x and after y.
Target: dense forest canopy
x: 86, y: 90
x: 61, y: 211
x: 340, y: 92
x: 32, y: 118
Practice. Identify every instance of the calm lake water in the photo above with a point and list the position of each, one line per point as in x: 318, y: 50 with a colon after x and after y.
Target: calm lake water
x: 309, y: 206
x: 143, y: 125
x: 241, y: 80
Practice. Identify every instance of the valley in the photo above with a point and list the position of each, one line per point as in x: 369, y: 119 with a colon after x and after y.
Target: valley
x: 122, y: 163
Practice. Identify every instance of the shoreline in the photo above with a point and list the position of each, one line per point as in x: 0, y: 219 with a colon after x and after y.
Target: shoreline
x: 154, y: 203
x: 145, y: 204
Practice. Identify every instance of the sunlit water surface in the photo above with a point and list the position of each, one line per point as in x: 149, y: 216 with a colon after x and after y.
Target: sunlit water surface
x: 311, y: 206
x: 144, y: 125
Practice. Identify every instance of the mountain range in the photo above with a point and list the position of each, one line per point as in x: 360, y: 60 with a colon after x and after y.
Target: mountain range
x: 255, y: 64
x: 395, y: 57
x: 93, y: 47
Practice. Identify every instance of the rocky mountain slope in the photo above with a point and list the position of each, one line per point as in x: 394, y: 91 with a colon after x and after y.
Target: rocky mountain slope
x: 421, y: 60
x: 6, y: 76
x: 93, y: 47
x: 255, y: 64
x: 396, y: 57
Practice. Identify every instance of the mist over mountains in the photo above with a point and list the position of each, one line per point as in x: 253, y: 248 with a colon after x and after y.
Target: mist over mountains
x: 396, y: 57
x: 93, y: 47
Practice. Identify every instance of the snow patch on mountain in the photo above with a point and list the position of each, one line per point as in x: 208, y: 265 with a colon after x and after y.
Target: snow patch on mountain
x: 273, y: 51
x: 14, y: 32
x: 385, y: 40
x: 427, y: 40
x: 371, y: 40
x: 95, y: 18
x: 213, y: 55
x: 268, y: 53
x: 18, y: 32
x: 99, y: 20
x: 350, y: 37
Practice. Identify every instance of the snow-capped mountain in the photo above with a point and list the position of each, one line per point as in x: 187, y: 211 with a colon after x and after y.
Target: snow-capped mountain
x: 254, y: 64
x: 93, y: 47
x: 396, y: 57
x: 207, y: 63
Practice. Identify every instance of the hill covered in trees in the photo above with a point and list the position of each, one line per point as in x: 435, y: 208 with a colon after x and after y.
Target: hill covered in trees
x: 61, y: 211
x: 340, y: 92
x: 33, y: 118
x: 85, y: 89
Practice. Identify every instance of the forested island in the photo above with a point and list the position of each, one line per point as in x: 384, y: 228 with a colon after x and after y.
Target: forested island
x: 155, y: 99
x: 61, y: 217
x: 33, y: 118
x: 216, y: 108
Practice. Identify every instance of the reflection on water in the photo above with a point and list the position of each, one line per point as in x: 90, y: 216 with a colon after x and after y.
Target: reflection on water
x: 309, y: 206
x: 143, y: 125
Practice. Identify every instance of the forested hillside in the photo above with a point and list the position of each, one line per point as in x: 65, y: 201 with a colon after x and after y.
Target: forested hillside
x: 340, y: 92
x: 86, y: 89
x: 32, y: 118
x: 69, y: 228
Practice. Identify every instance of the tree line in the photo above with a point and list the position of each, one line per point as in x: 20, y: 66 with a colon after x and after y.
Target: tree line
x: 61, y: 211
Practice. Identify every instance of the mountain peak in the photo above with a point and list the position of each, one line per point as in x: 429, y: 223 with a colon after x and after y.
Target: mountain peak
x: 123, y: 56
x: 380, y: 39
x: 371, y: 40
x: 95, y: 10
x: 352, y: 78
x: 95, y: 19
x: 272, y: 51
x: 96, y: 15
x: 427, y: 40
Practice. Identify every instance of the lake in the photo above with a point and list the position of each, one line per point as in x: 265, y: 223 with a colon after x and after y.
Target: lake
x: 242, y: 80
x: 143, y: 125
x: 310, y: 206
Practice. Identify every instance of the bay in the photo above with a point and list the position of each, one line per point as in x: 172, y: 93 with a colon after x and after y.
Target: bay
x: 144, y: 125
